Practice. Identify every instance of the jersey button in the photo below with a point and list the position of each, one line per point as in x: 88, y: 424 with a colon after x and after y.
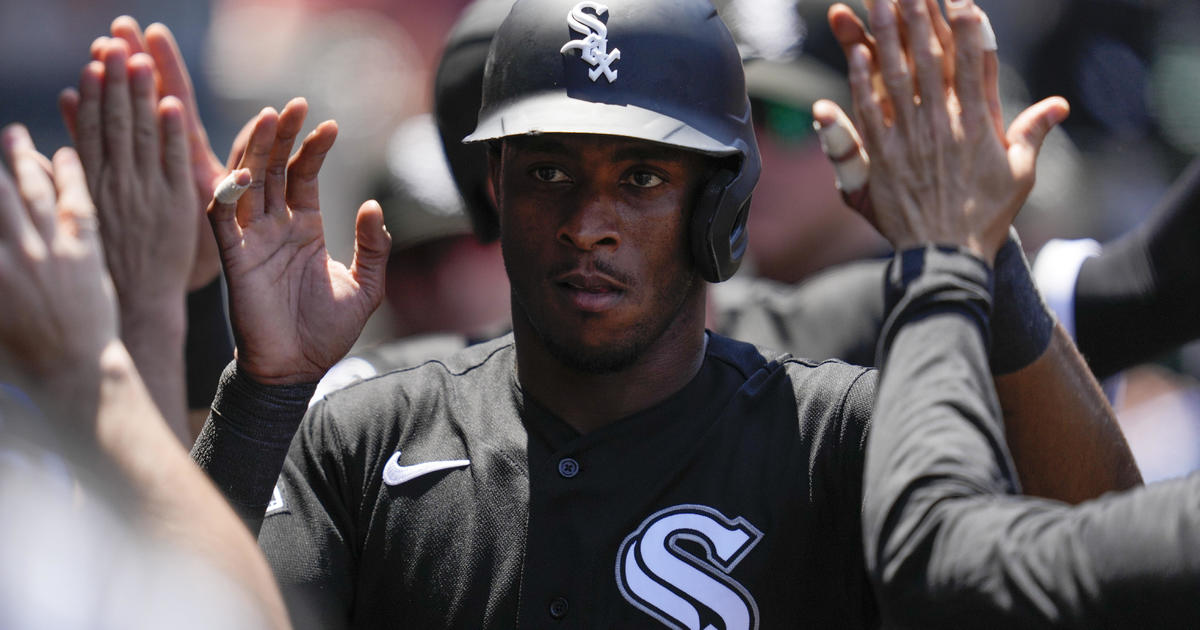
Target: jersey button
x: 568, y: 468
x: 558, y: 607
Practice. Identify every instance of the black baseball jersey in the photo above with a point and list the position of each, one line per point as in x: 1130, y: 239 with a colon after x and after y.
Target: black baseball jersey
x: 443, y: 497
x: 947, y: 545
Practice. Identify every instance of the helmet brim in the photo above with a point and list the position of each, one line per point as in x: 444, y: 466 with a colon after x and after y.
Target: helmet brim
x: 559, y: 113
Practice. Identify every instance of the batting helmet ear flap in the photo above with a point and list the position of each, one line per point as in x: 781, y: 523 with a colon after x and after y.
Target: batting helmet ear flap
x: 719, y: 236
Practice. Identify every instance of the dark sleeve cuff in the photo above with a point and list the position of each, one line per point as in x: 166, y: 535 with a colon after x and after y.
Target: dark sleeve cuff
x: 246, y: 438
x: 1022, y: 324
x: 934, y: 279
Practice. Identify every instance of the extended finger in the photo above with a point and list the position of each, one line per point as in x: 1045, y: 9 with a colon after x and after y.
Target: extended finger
x: 866, y: 102
x: 89, y: 132
x: 893, y: 65
x: 33, y: 184
x: 291, y: 119
x: 969, y: 68
x: 175, y: 145
x: 176, y: 82
x: 127, y: 28
x: 843, y: 147
x: 15, y: 224
x: 74, y: 203
x: 238, y: 148
x: 97, y: 48
x: 223, y: 209
x: 849, y: 31
x: 945, y: 37
x: 991, y: 73
x: 117, y: 111
x: 258, y: 151
x: 144, y: 96
x: 68, y: 108
x: 302, y: 192
x: 926, y: 55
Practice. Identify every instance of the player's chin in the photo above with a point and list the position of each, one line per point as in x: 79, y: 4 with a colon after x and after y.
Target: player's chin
x: 596, y: 352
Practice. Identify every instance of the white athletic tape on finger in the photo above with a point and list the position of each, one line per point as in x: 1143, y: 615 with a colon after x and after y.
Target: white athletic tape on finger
x: 852, y: 173
x: 229, y: 191
x: 850, y: 164
x: 989, y: 35
x: 836, y: 140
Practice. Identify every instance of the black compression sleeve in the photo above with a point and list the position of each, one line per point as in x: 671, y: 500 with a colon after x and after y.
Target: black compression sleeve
x: 1137, y: 299
x: 209, y: 344
x: 1021, y: 322
x: 246, y: 439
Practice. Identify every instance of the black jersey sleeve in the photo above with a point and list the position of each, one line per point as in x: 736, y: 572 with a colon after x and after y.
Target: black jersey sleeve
x: 946, y: 543
x: 246, y: 437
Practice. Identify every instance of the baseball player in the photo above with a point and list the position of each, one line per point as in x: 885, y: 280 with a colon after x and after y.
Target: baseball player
x: 609, y: 464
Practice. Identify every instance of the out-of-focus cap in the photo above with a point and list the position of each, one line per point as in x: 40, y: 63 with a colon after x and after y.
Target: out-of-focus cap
x: 419, y: 198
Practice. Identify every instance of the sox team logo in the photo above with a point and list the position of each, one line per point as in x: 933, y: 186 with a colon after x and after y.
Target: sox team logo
x: 594, y: 45
x: 669, y: 582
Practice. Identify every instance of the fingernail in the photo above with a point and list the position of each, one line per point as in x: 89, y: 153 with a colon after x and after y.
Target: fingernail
x: 229, y: 191
x: 989, y: 35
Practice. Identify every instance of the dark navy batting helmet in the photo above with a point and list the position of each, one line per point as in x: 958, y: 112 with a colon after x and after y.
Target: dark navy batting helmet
x: 664, y: 71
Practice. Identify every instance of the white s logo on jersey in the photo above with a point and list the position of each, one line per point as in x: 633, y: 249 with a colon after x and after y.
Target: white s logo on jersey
x: 651, y: 559
x: 594, y: 45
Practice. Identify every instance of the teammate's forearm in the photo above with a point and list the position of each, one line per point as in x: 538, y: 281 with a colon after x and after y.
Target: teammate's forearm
x: 154, y: 335
x: 1063, y: 433
x: 177, y: 501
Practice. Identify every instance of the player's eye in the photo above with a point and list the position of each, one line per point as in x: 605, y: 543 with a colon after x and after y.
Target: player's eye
x: 549, y: 174
x: 644, y: 179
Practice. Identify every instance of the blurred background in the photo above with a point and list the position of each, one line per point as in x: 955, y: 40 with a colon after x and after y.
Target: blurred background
x: 1130, y: 68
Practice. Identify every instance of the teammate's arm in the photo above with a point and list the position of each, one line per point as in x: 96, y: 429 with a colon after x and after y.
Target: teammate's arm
x: 1064, y: 436
x: 1137, y: 298
x: 66, y: 352
x: 137, y: 170
x: 946, y: 548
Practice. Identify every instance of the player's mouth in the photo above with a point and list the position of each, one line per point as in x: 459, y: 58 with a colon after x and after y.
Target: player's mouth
x: 588, y: 291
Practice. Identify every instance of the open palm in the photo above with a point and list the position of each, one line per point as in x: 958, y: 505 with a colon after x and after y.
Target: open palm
x: 295, y: 310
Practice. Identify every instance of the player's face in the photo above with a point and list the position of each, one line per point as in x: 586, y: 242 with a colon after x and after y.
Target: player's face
x: 594, y: 235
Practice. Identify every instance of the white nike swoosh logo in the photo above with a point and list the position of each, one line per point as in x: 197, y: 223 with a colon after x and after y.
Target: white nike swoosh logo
x: 394, y: 474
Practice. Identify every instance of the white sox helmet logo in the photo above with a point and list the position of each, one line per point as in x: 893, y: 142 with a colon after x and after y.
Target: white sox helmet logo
x: 669, y: 582
x: 594, y: 45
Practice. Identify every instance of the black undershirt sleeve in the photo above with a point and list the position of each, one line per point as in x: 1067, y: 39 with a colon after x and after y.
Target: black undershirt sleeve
x: 246, y: 438
x: 947, y: 544
x: 1138, y: 298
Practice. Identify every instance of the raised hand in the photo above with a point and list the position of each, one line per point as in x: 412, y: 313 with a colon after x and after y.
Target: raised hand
x: 295, y: 311
x: 59, y: 310
x: 135, y: 152
x: 171, y: 79
x: 940, y: 169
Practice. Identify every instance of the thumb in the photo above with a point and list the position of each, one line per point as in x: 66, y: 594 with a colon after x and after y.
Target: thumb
x: 372, y: 245
x: 1027, y: 133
